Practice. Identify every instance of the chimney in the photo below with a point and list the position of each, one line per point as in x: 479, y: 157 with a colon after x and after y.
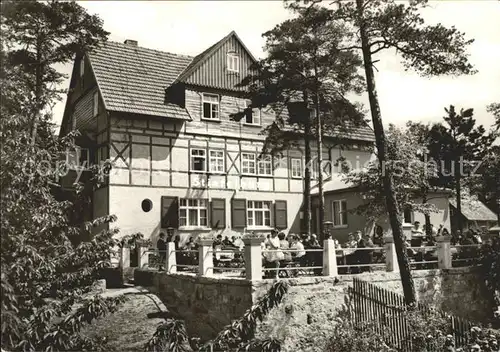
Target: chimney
x: 131, y: 42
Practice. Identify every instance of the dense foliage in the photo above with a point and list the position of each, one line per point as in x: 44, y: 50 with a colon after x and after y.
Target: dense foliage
x: 171, y: 336
x: 412, y: 175
x: 50, y: 256
x: 458, y: 146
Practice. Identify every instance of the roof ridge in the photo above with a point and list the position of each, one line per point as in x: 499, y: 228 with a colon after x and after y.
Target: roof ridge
x: 149, y: 49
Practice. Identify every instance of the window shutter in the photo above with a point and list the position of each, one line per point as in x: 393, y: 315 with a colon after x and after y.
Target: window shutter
x: 218, y: 213
x: 170, y: 212
x: 280, y: 216
x: 239, y: 213
x: 344, y: 212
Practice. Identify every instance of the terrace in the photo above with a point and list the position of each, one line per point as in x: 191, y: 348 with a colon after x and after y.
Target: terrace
x: 249, y: 262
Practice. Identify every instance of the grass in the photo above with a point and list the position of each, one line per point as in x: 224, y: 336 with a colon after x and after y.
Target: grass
x: 133, y: 324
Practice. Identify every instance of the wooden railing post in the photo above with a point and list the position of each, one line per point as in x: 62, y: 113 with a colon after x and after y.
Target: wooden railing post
x: 206, y: 258
x: 329, y: 258
x: 142, y: 258
x: 444, y: 252
x: 171, y: 260
x: 124, y: 257
x: 253, y: 258
x: 391, y: 259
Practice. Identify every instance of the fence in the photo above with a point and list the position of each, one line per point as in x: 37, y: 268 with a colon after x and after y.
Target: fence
x: 386, y: 310
x: 250, y: 262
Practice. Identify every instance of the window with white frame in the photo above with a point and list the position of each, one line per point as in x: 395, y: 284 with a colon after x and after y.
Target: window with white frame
x: 95, y: 105
x: 252, y: 118
x: 407, y: 216
x: 296, y: 168
x: 233, y: 62
x: 248, y: 163
x: 258, y: 213
x: 198, y: 160
x: 339, y: 216
x: 265, y: 166
x: 216, y: 162
x: 314, y: 168
x: 193, y: 212
x: 211, y: 106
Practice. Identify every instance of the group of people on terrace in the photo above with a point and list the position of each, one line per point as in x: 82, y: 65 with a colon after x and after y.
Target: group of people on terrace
x: 286, y: 254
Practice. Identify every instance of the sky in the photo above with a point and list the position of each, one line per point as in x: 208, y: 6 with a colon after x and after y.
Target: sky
x: 189, y: 27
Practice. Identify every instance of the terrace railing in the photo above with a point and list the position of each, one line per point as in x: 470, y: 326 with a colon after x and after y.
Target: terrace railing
x: 250, y: 262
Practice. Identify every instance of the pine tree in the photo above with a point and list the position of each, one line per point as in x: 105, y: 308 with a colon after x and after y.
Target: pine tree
x: 460, y: 147
x: 430, y: 50
x: 306, y: 73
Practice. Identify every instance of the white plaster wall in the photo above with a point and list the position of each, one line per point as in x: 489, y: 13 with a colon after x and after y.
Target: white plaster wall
x: 125, y: 203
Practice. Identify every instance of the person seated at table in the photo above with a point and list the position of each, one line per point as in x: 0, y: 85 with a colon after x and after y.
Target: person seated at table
x: 476, y: 237
x: 217, y: 241
x: 378, y: 237
x: 190, y: 246
x: 161, y: 245
x: 313, y: 242
x: 299, y: 252
x: 285, y: 246
x: 364, y: 256
x: 337, y: 244
x: 226, y: 242
x: 351, y: 242
x: 275, y: 255
x: 238, y: 242
x: 417, y: 235
x: 315, y: 258
x: 305, y: 239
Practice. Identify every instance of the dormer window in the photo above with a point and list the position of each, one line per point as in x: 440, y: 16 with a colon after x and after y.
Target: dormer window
x: 211, y: 106
x: 233, y: 62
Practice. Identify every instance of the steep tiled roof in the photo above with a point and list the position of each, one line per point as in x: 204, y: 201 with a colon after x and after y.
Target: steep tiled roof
x: 475, y: 210
x: 133, y: 79
x: 358, y: 133
x: 334, y: 183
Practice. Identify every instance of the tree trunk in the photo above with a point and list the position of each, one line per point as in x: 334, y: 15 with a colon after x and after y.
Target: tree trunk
x: 387, y: 180
x: 427, y: 218
x: 307, y: 179
x: 319, y: 140
x: 497, y: 196
x: 458, y: 190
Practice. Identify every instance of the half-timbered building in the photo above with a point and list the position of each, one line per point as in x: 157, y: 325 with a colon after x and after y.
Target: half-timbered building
x: 179, y: 160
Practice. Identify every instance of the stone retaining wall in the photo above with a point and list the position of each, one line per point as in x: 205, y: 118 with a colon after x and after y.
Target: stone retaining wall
x: 304, y: 321
x: 206, y: 304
